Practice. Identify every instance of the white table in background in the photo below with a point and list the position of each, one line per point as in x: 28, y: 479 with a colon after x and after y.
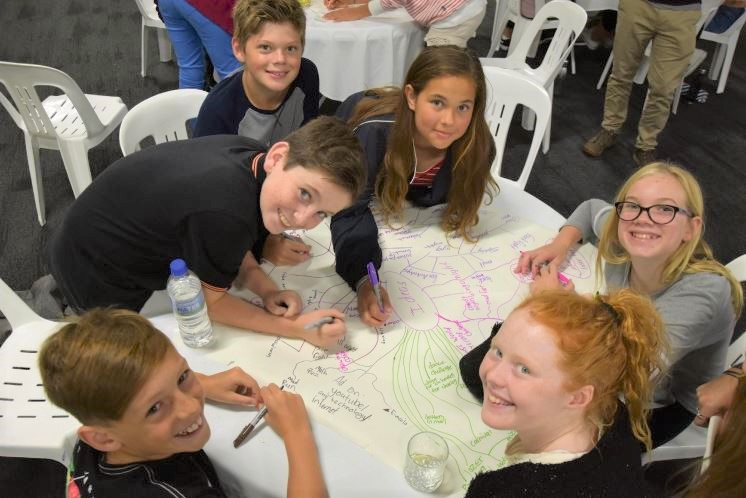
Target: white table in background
x: 357, y: 55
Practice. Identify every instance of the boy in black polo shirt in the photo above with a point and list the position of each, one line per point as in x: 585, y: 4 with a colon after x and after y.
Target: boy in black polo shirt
x: 210, y: 201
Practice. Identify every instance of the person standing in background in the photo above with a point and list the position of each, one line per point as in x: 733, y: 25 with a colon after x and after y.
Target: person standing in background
x: 448, y: 22
x: 669, y: 25
x: 196, y: 27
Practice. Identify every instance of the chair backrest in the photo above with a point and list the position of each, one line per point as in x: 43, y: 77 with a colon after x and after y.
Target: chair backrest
x: 15, y: 310
x: 161, y: 116
x: 147, y: 9
x: 708, y: 9
x: 736, y: 350
x: 570, y: 18
x: 30, y: 426
x: 507, y: 89
x: 21, y: 81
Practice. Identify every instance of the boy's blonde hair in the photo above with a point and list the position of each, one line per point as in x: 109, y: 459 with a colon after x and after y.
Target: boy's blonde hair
x: 249, y: 16
x: 95, y: 366
x: 692, y: 256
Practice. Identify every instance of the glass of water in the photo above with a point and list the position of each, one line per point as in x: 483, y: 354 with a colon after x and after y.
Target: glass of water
x: 425, y: 464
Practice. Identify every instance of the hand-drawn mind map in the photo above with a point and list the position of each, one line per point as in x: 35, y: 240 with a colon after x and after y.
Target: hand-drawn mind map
x: 383, y: 385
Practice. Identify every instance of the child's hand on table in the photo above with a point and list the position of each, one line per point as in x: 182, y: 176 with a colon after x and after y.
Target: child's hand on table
x: 286, y: 413
x: 282, y: 250
x: 368, y: 307
x: 326, y: 335
x: 232, y: 386
x: 548, y: 278
x: 285, y: 303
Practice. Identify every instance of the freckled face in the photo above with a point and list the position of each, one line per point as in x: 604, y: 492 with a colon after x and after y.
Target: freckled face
x: 442, y: 110
x: 523, y: 386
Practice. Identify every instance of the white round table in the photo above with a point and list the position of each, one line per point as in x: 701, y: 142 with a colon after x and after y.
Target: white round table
x: 357, y: 55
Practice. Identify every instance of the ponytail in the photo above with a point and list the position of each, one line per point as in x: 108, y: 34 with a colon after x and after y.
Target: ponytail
x: 641, y: 332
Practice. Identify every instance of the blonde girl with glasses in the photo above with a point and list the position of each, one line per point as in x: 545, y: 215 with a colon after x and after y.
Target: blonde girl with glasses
x: 651, y: 241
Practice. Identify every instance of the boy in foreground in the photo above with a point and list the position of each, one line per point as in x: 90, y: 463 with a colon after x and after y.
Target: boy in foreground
x: 210, y: 201
x: 142, y: 411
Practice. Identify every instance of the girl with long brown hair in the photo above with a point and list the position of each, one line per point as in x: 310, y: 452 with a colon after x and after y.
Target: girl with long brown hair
x: 427, y: 143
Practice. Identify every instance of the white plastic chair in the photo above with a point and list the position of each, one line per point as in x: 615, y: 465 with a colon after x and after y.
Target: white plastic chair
x: 150, y: 19
x: 506, y: 89
x: 162, y: 116
x: 510, y: 11
x: 726, y: 48
x: 693, y: 441
x: 570, y: 20
x: 71, y: 123
x: 30, y: 426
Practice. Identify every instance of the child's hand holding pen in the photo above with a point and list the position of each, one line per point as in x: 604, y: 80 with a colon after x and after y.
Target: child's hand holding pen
x: 323, y: 328
x: 286, y: 413
x: 368, y: 306
x: 549, y: 277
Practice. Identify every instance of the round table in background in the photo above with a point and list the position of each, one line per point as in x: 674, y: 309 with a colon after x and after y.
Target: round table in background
x: 358, y: 55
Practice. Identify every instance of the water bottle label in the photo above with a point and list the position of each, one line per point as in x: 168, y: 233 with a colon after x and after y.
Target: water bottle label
x: 190, y: 307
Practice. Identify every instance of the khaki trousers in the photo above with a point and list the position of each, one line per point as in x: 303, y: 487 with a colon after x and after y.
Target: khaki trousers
x: 673, y: 40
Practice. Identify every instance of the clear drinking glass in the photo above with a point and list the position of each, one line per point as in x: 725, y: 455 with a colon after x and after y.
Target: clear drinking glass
x: 425, y: 464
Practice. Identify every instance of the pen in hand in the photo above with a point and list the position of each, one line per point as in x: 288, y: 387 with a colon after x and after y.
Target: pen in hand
x: 247, y: 430
x: 373, y: 276
x: 318, y: 323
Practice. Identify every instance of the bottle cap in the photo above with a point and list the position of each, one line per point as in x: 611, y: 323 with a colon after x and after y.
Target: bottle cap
x: 178, y: 267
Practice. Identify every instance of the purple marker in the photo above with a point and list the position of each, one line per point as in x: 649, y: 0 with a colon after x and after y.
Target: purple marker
x: 373, y: 276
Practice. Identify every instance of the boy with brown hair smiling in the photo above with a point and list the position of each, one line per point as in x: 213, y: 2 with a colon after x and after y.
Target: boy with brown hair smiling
x: 142, y: 411
x: 210, y: 201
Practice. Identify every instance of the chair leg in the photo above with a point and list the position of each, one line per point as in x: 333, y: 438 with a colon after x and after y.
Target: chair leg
x: 32, y: 155
x: 605, y: 72
x: 727, y: 61
x: 716, y: 63
x: 676, y: 98
x: 164, y: 45
x: 75, y: 157
x: 572, y: 61
x: 143, y: 49
x: 498, y: 25
x: 548, y: 132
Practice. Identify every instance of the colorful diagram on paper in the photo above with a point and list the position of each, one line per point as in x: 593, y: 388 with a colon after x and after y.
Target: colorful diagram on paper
x: 381, y: 386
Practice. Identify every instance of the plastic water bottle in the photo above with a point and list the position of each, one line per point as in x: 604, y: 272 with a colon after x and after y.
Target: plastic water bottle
x: 188, y: 301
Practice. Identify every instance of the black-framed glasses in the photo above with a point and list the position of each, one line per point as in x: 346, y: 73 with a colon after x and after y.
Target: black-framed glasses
x: 660, y: 214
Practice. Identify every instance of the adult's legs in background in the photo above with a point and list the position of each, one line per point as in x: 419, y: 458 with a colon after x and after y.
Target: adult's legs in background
x: 670, y: 54
x: 635, y: 27
x: 186, y: 42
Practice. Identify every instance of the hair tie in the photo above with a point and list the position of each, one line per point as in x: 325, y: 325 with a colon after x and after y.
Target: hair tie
x: 615, y: 316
